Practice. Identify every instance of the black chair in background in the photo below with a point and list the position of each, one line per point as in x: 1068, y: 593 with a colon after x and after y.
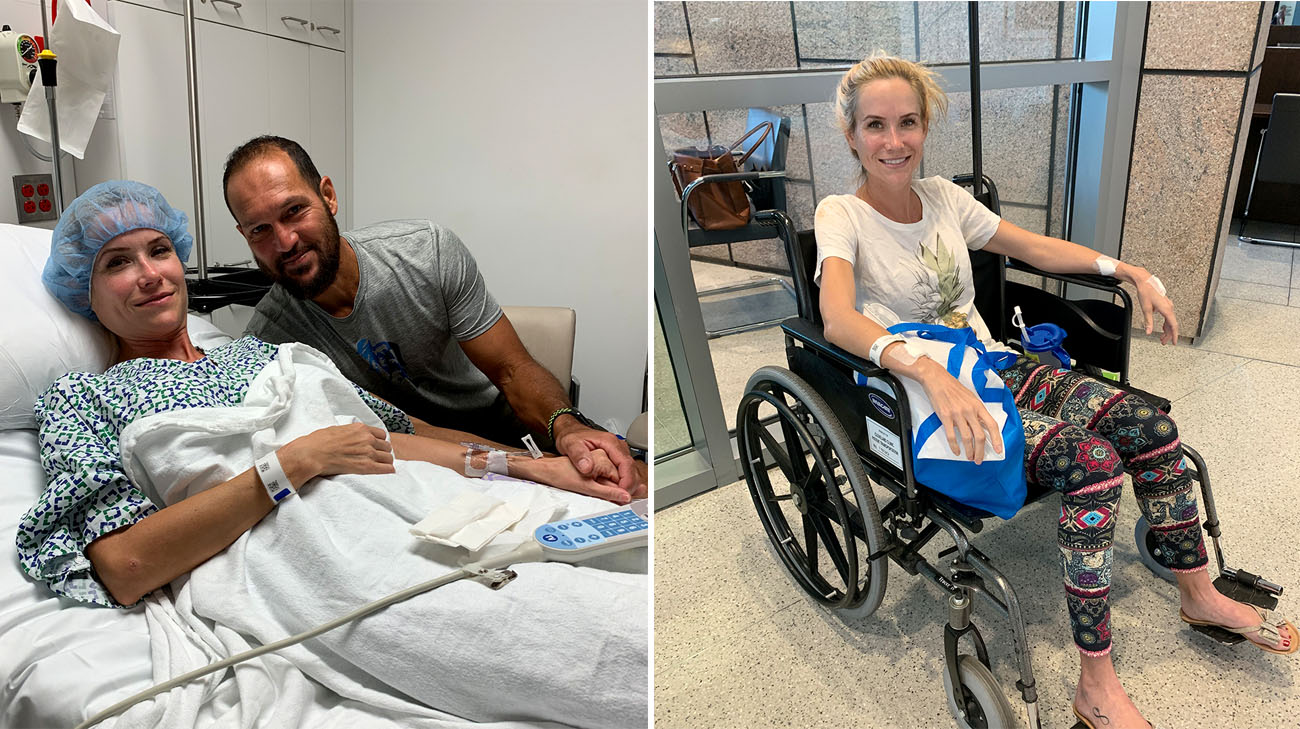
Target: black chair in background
x: 1278, y: 160
x: 768, y: 195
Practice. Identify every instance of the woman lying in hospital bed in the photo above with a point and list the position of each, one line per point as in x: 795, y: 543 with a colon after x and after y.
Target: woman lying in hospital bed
x: 152, y: 482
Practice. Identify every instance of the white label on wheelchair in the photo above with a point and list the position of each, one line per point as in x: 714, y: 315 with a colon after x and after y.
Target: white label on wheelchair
x: 885, y: 443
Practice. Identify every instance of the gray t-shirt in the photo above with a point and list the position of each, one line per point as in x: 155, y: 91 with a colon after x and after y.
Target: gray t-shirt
x: 420, y: 294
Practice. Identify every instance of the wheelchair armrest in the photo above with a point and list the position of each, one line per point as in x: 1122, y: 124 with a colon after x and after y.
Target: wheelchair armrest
x: 814, y: 336
x: 1095, y: 281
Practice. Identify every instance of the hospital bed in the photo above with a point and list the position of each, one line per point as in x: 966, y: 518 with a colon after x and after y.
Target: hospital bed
x: 62, y: 661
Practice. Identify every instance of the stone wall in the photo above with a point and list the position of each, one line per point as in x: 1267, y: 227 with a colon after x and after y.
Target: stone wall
x: 1199, y: 73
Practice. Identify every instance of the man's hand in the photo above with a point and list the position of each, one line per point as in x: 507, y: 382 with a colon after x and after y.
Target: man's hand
x: 559, y: 472
x: 578, y: 443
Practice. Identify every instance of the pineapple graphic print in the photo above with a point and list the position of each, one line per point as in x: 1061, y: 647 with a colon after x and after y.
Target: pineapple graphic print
x: 938, y: 286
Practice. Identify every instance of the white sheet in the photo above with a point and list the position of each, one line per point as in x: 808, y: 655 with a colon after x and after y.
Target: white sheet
x: 61, y: 661
x: 559, y: 644
x: 57, y: 657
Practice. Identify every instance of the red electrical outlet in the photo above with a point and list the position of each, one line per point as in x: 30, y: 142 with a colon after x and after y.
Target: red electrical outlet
x: 33, y: 196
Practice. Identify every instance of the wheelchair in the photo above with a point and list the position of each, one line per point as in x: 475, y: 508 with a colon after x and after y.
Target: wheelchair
x: 810, y: 442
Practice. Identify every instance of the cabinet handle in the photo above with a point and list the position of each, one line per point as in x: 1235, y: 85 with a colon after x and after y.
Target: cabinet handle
x: 287, y: 18
x: 335, y: 31
x: 232, y: 3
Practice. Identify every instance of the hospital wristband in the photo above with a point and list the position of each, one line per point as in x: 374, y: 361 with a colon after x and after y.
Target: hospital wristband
x: 274, y: 480
x: 878, y: 347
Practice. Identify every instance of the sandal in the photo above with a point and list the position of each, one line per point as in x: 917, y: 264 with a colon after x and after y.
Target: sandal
x: 1083, y: 720
x: 1269, y: 628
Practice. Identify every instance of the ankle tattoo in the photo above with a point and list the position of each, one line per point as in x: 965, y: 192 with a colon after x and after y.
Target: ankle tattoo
x: 1097, y: 713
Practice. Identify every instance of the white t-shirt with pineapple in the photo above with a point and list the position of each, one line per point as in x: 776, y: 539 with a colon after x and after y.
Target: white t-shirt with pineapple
x: 919, y: 271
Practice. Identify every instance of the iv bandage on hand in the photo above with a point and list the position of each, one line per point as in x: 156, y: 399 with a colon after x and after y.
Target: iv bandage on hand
x: 1105, y: 265
x: 1156, y: 284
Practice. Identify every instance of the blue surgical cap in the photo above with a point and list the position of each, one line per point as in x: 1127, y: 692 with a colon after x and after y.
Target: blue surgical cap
x: 96, y: 217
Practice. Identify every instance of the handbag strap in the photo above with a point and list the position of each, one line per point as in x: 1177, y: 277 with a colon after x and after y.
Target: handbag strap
x: 765, y: 126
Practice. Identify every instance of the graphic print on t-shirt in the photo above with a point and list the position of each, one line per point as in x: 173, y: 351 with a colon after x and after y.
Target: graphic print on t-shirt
x: 938, y: 286
x: 384, y: 358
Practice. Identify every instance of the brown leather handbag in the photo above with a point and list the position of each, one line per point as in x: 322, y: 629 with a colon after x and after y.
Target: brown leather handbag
x: 716, y: 206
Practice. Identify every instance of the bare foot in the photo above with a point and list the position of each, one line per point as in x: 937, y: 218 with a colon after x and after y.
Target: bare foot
x: 1215, y: 607
x: 1107, y: 706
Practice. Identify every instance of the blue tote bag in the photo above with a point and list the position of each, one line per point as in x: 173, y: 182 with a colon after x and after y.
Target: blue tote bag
x: 998, y: 484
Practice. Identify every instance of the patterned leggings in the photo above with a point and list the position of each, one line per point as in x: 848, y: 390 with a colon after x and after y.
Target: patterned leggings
x: 1081, y: 435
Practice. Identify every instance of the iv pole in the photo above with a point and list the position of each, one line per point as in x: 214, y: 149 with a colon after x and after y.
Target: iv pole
x: 47, y: 60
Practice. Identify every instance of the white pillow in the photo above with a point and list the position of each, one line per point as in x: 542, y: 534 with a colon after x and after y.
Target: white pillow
x: 40, y: 340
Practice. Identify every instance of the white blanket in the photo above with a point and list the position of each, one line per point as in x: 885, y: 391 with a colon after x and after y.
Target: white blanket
x: 561, y: 644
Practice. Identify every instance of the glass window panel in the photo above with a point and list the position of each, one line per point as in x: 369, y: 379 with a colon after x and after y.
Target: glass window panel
x: 670, y: 28
x: 1025, y: 31
x: 672, y: 433
x: 848, y: 31
x: 729, y: 37
x: 736, y: 357
x: 746, y: 36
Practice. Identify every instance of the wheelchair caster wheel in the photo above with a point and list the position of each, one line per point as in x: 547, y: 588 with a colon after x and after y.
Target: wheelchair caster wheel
x: 811, y: 493
x: 984, y: 706
x: 1147, y: 548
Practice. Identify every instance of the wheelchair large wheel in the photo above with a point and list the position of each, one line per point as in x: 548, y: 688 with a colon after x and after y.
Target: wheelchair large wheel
x: 985, y: 707
x: 1146, y: 546
x: 815, y: 500
x: 1146, y: 543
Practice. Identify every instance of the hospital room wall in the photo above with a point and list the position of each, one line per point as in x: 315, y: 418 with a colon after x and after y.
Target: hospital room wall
x: 24, y: 16
x: 522, y: 127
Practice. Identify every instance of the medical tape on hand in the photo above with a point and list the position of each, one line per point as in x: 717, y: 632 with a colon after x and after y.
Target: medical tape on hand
x: 277, y: 484
x: 1105, y: 265
x: 470, y: 470
x: 1160, y: 287
x: 496, y: 463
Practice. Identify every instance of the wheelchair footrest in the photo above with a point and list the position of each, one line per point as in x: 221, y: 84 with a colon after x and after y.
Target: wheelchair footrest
x: 1241, y: 593
x: 1245, y: 593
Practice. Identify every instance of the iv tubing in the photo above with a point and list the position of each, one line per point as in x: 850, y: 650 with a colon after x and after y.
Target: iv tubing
x: 529, y: 551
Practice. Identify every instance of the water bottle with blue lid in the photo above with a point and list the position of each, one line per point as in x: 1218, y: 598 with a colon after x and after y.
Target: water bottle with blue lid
x: 1042, y: 342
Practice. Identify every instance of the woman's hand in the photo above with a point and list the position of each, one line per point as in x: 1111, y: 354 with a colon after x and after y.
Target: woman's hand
x: 1152, y: 298
x: 559, y: 471
x: 352, y: 448
x: 963, y: 415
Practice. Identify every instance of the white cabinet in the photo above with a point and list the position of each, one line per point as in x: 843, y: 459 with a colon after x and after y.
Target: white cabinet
x: 319, y: 22
x: 246, y: 14
x: 253, y: 84
x: 290, y: 19
x: 327, y: 19
x: 328, y: 148
x: 289, y: 95
x: 152, y: 125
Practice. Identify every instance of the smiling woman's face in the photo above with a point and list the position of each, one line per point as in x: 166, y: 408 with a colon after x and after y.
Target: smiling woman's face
x: 888, y: 133
x: 137, y: 288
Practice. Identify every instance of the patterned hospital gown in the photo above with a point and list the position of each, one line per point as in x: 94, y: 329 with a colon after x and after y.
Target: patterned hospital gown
x: 82, y: 415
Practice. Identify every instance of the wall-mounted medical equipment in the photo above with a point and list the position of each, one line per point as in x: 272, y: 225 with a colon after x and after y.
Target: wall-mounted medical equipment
x: 17, y: 65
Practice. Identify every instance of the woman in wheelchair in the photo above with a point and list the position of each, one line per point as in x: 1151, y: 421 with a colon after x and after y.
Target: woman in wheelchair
x: 895, y: 248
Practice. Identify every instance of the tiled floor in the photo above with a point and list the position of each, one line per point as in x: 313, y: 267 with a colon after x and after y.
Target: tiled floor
x: 1257, y: 272
x: 737, y: 644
